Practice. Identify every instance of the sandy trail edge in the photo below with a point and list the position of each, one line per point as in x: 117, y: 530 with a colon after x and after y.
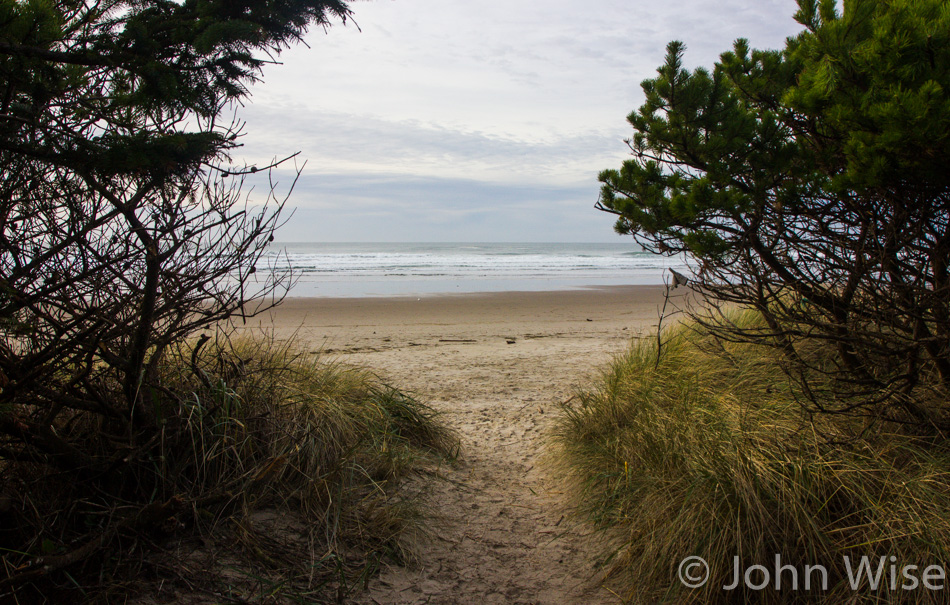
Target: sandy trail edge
x: 501, y: 536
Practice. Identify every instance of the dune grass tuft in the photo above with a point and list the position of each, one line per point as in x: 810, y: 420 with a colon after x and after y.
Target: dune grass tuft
x: 273, y: 473
x: 708, y: 454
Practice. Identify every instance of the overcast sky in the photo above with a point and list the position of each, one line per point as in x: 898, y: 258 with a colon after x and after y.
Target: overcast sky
x: 476, y: 120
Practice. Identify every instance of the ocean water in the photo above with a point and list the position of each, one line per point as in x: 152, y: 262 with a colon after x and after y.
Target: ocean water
x: 407, y: 269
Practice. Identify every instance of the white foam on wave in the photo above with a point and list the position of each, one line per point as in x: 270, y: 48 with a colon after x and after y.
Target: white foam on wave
x: 360, y: 269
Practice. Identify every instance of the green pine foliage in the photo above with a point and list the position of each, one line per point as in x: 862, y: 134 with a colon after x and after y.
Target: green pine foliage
x: 83, y: 82
x: 878, y: 75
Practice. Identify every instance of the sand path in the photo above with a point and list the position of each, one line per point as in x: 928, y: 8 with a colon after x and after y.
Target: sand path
x: 501, y: 535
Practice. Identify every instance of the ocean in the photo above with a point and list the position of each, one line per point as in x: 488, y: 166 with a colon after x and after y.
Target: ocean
x: 407, y: 269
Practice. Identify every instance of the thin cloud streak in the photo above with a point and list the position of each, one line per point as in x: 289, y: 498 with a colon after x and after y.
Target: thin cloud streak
x: 414, y: 148
x: 393, y: 207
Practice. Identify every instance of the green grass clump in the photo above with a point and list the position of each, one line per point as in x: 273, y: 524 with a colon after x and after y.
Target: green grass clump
x: 271, y: 474
x: 707, y: 453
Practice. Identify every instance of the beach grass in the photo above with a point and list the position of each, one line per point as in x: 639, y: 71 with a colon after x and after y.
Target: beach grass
x: 707, y: 453
x: 276, y: 473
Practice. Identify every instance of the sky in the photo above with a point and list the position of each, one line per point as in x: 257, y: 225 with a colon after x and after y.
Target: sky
x: 473, y: 120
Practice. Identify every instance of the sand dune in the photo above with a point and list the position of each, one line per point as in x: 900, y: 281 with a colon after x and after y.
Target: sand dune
x: 497, y: 365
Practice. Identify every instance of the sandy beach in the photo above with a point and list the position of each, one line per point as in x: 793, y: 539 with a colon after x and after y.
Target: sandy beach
x: 497, y: 365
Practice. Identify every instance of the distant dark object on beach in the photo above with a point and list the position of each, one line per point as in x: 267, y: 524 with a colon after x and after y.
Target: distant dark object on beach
x: 679, y: 279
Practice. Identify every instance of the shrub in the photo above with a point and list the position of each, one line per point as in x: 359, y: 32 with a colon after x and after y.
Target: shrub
x: 279, y: 461
x: 709, y: 453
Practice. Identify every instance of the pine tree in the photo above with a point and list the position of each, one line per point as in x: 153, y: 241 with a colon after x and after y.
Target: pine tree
x: 811, y: 184
x: 122, y: 225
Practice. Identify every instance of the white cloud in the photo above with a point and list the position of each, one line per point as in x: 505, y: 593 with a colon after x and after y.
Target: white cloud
x: 478, y: 100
